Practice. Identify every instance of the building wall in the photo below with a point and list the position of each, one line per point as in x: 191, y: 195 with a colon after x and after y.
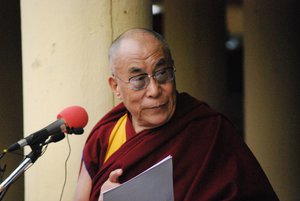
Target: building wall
x: 64, y: 48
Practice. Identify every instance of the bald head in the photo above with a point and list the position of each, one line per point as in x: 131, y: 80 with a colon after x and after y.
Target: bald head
x: 139, y: 35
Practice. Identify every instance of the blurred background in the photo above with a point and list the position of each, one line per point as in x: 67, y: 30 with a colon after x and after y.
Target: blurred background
x: 241, y: 57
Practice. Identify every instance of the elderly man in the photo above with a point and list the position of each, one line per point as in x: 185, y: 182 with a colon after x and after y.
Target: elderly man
x: 210, y: 160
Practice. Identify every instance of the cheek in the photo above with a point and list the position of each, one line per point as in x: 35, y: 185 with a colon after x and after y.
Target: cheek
x: 124, y: 93
x: 172, y: 98
x: 170, y: 92
x: 133, y: 102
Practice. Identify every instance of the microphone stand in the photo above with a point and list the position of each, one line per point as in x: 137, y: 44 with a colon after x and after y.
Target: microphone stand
x: 36, y: 152
x: 29, y: 159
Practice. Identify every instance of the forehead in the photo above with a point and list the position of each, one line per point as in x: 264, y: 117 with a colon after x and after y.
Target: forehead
x: 139, y: 51
x: 140, y: 47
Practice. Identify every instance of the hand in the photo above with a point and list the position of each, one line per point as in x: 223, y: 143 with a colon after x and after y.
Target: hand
x: 111, y: 182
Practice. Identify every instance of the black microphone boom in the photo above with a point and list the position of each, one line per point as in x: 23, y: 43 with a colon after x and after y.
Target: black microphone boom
x: 40, y: 136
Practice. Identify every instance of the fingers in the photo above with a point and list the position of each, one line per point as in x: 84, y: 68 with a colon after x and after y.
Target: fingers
x: 111, y: 182
x: 114, y: 175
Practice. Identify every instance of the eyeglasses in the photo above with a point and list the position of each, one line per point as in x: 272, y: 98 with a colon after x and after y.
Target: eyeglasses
x: 141, y: 81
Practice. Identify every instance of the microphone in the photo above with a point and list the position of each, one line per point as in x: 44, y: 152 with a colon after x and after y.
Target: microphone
x: 71, y: 120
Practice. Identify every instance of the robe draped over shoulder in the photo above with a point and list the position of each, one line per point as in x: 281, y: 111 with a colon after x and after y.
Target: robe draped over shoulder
x: 210, y: 159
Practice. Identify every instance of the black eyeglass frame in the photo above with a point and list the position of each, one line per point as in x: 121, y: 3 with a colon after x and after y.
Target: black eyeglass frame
x: 148, y: 76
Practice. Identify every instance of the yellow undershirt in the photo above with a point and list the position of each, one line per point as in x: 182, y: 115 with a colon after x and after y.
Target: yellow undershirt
x: 117, y: 137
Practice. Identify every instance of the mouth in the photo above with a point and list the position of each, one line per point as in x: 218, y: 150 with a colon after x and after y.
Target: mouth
x: 158, y: 106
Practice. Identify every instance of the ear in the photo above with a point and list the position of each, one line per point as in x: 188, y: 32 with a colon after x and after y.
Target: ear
x: 114, y: 86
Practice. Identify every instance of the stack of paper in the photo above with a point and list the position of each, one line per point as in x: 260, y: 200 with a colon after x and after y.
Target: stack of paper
x: 154, y: 184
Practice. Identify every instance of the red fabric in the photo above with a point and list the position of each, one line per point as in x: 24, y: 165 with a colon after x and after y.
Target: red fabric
x: 210, y: 160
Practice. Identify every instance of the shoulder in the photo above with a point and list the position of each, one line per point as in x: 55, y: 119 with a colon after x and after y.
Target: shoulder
x: 188, y: 107
x: 106, y: 123
x: 201, y: 119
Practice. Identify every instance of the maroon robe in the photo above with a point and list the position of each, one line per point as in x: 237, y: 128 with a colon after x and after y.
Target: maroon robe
x: 210, y: 159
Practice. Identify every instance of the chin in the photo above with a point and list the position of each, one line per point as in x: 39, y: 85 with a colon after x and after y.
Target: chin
x: 154, y: 121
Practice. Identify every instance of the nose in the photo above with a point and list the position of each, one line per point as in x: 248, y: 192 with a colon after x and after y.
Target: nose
x: 153, y: 88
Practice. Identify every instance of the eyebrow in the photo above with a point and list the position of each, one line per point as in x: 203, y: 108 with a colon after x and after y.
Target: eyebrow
x: 161, y: 62
x: 134, y: 69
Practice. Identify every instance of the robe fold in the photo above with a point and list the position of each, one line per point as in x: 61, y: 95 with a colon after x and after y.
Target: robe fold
x: 210, y: 159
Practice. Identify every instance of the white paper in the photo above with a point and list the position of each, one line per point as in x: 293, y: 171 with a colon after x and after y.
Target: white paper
x: 154, y: 184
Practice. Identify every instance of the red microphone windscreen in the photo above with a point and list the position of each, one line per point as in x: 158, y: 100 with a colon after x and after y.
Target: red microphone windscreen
x: 74, y: 116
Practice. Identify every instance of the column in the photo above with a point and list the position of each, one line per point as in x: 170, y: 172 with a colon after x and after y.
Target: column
x: 65, y: 63
x: 196, y: 33
x: 272, y: 90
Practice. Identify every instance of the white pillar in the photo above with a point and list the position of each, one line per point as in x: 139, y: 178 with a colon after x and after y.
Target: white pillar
x: 65, y: 47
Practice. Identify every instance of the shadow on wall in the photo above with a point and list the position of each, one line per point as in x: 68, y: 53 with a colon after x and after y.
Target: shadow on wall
x: 11, y: 110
